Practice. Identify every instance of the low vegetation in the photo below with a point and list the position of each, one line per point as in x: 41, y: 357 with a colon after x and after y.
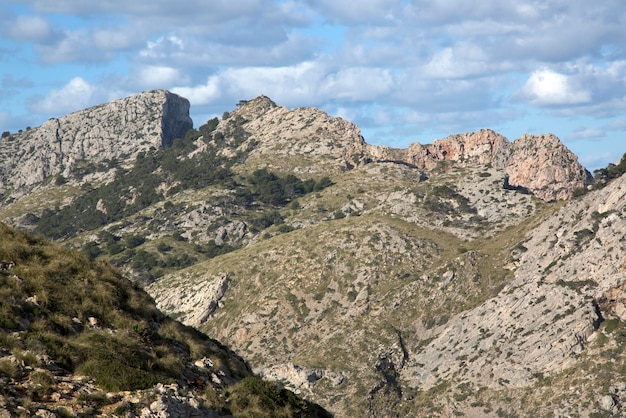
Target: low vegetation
x: 63, y: 314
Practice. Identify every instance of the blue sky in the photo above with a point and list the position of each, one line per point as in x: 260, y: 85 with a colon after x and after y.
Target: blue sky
x: 403, y: 70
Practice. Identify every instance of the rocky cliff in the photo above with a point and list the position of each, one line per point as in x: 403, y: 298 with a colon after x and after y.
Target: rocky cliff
x: 540, y: 164
x: 543, y: 165
x: 116, y: 131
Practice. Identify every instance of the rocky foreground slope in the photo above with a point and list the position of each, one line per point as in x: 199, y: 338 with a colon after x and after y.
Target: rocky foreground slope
x: 455, y: 278
x: 77, y: 339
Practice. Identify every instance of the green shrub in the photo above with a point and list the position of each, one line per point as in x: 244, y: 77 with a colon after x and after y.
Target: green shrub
x: 7, y: 368
x: 265, y: 220
x: 113, y: 376
x: 610, y: 325
x: 92, y: 250
x: 163, y: 247
x: 253, y: 397
x: 133, y: 241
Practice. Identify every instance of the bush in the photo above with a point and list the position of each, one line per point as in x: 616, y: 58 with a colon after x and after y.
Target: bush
x: 272, y: 189
x: 163, y: 247
x: 92, y: 250
x: 113, y: 376
x: 265, y: 220
x: 255, y: 397
x: 7, y: 368
x: 133, y: 241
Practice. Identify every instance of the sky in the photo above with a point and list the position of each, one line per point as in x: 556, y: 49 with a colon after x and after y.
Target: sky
x: 403, y: 70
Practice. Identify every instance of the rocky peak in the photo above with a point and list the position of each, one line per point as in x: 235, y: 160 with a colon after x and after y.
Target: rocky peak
x: 317, y: 141
x: 117, y: 130
x: 175, y: 120
x: 543, y: 165
x: 252, y: 109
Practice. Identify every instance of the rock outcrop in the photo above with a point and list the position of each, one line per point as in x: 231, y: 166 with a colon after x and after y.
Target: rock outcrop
x: 118, y: 130
x: 484, y: 147
x: 540, y: 164
x: 314, y: 141
x: 543, y: 165
x: 195, y: 302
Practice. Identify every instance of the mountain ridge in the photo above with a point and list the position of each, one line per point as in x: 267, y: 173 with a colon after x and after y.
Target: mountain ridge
x: 535, y: 162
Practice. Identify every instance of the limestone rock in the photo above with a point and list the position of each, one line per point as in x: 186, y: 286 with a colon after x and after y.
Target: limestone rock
x: 195, y: 302
x: 277, y: 134
x: 543, y: 319
x: 172, y: 402
x: 484, y: 147
x: 543, y: 165
x: 118, y: 130
x: 298, y: 378
x: 539, y: 163
x: 607, y: 403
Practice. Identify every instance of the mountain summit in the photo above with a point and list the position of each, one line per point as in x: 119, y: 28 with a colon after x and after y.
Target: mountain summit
x: 115, y: 131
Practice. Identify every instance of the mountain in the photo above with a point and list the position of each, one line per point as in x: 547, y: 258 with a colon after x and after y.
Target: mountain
x: 472, y: 276
x: 115, y: 131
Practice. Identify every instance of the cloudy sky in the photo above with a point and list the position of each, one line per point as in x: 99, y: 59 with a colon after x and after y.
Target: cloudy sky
x: 403, y: 70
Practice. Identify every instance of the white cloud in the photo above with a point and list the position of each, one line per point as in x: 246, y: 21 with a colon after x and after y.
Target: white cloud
x: 72, y: 47
x: 367, y: 11
x: 357, y: 84
x: 152, y: 77
x: 77, y: 94
x: 5, y: 119
x: 545, y: 87
x: 595, y: 160
x: 202, y: 94
x: 616, y: 125
x: 162, y: 47
x: 312, y: 83
x: 116, y: 38
x: 463, y: 60
x: 29, y: 28
x: 586, y: 133
x: 289, y: 84
x: 9, y: 81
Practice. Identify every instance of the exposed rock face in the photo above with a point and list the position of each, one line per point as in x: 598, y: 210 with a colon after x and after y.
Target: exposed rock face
x: 539, y: 163
x: 308, y: 133
x: 117, y: 130
x: 484, y: 147
x: 195, y: 302
x: 549, y: 311
x: 543, y: 165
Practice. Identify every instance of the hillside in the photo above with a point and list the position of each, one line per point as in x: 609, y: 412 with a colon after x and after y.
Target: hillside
x: 470, y: 276
x: 77, y: 339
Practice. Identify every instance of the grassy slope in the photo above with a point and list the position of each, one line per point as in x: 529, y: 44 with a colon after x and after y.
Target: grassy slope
x: 62, y: 315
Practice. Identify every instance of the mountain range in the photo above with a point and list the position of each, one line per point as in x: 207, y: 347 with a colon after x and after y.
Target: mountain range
x: 472, y: 276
